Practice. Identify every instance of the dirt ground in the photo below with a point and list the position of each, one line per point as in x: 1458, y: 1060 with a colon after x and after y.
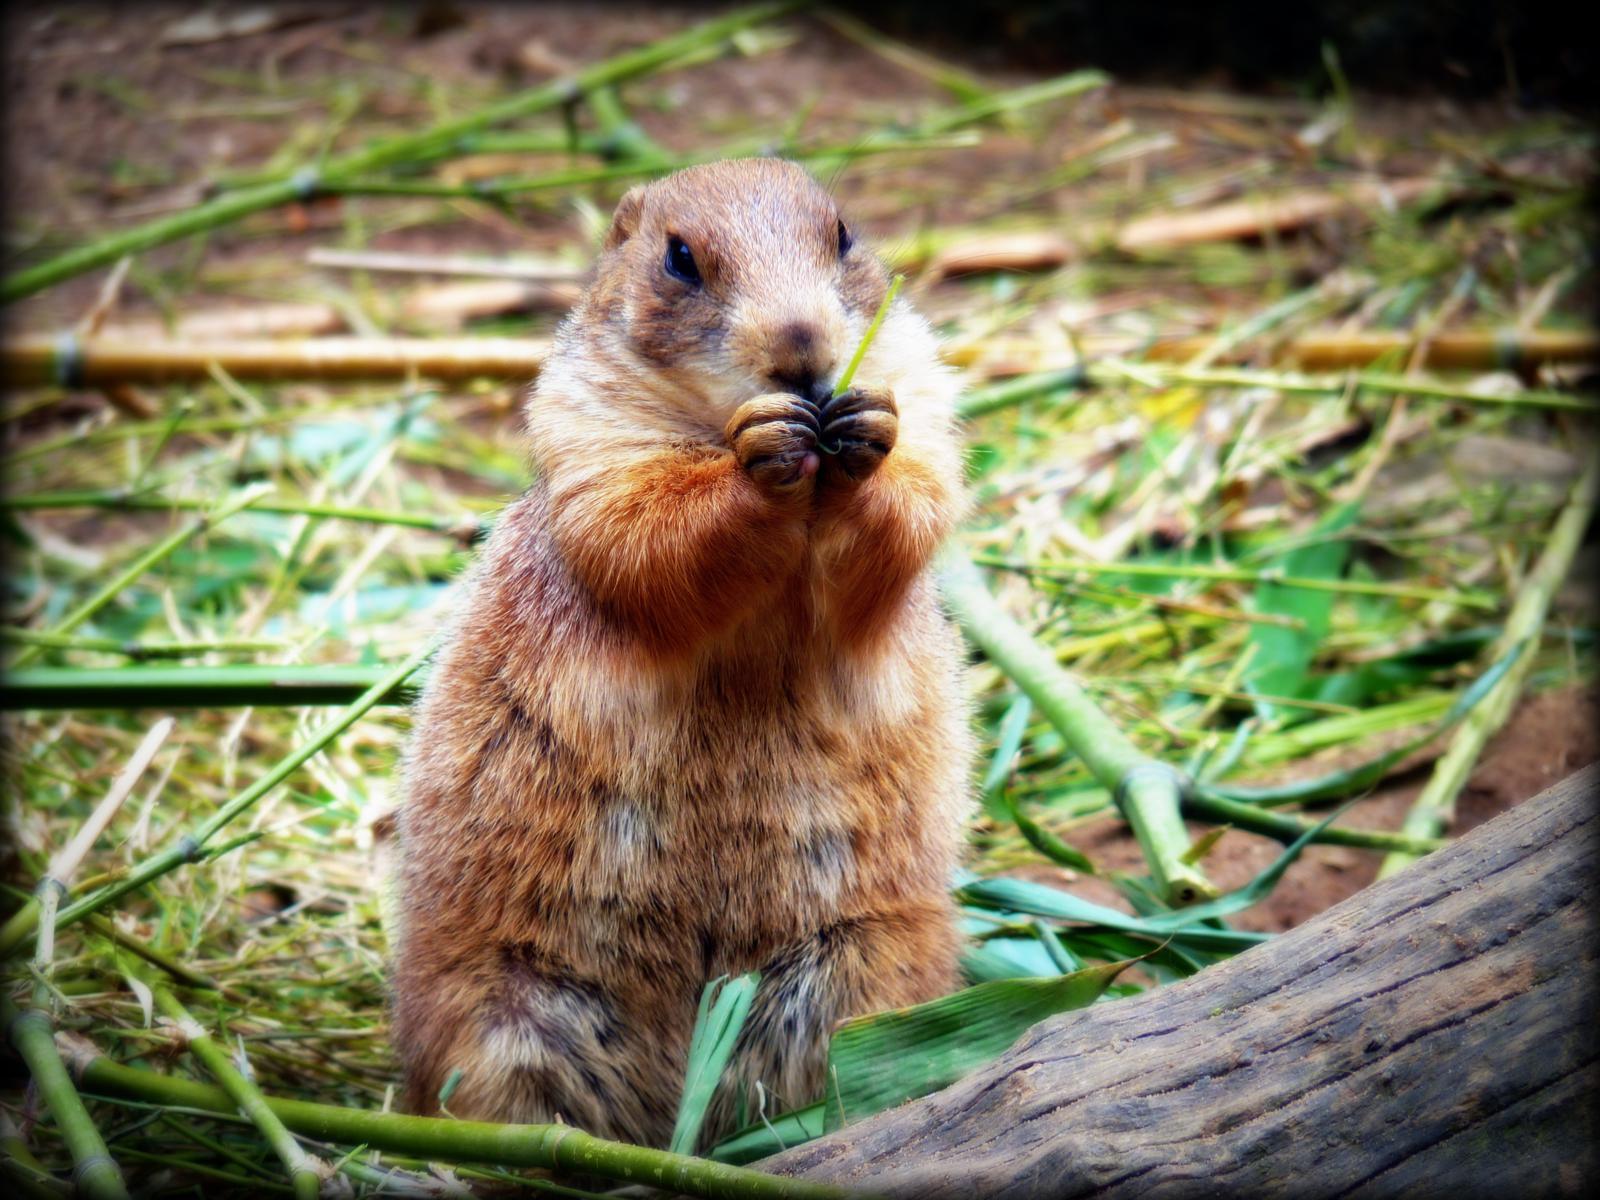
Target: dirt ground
x: 137, y: 124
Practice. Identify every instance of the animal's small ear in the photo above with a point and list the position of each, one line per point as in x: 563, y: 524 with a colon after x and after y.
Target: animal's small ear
x: 626, y: 219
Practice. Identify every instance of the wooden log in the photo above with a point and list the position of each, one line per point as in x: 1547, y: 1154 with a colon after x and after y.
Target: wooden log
x: 1434, y: 1035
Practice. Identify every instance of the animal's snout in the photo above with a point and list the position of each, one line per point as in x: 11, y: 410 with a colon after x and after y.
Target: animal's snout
x: 799, y: 360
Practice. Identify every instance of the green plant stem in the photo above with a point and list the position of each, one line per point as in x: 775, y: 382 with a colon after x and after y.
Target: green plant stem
x: 847, y: 377
x: 621, y: 137
x: 26, y: 1174
x: 229, y: 423
x: 529, y: 141
x: 558, y: 1147
x: 189, y: 847
x: 211, y: 215
x: 1046, y: 842
x: 30, y: 1176
x: 1106, y: 373
x: 961, y: 85
x: 242, y: 1185
x: 165, y: 962
x: 94, y: 1172
x: 1285, y: 829
x: 46, y: 688
x: 1271, y: 317
x: 512, y: 186
x: 135, y: 650
x: 1434, y: 810
x: 1154, y: 374
x: 995, y: 104
x: 228, y: 208
x: 629, y: 169
x: 463, y: 527
x: 1065, y: 568
x: 980, y: 401
x: 303, y: 1175
x: 785, y: 147
x: 138, y: 567
x: 1148, y: 792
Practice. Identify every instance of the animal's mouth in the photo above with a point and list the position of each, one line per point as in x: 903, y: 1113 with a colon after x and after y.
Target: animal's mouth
x: 807, y: 386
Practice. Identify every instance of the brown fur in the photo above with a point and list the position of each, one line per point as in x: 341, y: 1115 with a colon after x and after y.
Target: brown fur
x: 700, y: 713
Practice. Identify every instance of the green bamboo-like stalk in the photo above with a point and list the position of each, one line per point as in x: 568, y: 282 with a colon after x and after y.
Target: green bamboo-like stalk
x: 633, y: 168
x: 1155, y: 374
x: 303, y: 1174
x: 89, y: 1153
x: 1228, y: 339
x: 179, y: 971
x: 1254, y: 819
x: 981, y: 401
x: 94, y: 1172
x: 786, y: 147
x: 1065, y: 568
x: 47, y: 688
x: 229, y: 423
x: 995, y: 104
x: 520, y: 141
x: 189, y: 847
x: 558, y: 1147
x: 139, y: 566
x: 136, y: 650
x: 516, y: 185
x: 1434, y: 810
x: 621, y: 138
x: 963, y: 86
x: 26, y: 1173
x: 30, y: 1032
x: 239, y: 1184
x: 31, y: 1184
x: 462, y: 527
x: 232, y: 206
x: 211, y: 215
x: 1147, y: 791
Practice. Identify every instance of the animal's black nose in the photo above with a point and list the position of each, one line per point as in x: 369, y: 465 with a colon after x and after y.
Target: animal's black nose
x: 796, y: 361
x: 803, y: 383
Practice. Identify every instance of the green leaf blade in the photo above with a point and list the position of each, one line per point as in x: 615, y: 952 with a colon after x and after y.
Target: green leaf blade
x: 878, y: 1061
x: 724, y: 1005
x: 1282, y: 655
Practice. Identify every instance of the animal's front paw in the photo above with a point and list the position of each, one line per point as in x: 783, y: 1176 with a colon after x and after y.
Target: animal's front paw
x: 774, y: 438
x: 859, y: 429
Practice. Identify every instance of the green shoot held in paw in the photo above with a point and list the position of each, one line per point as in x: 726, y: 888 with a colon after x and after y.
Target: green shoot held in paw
x: 849, y: 373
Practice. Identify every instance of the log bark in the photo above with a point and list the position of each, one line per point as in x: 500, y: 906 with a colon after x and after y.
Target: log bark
x: 1435, y: 1034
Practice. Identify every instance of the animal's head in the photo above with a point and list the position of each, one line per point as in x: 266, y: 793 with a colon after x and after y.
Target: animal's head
x: 737, y: 278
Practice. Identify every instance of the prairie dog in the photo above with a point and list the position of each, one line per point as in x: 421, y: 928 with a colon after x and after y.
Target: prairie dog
x: 700, y: 711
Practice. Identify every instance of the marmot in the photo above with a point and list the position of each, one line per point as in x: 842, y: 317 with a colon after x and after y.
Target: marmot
x: 700, y: 711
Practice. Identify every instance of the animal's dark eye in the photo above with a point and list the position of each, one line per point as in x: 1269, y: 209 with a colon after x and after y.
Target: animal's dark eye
x: 845, y: 240
x: 680, y: 263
